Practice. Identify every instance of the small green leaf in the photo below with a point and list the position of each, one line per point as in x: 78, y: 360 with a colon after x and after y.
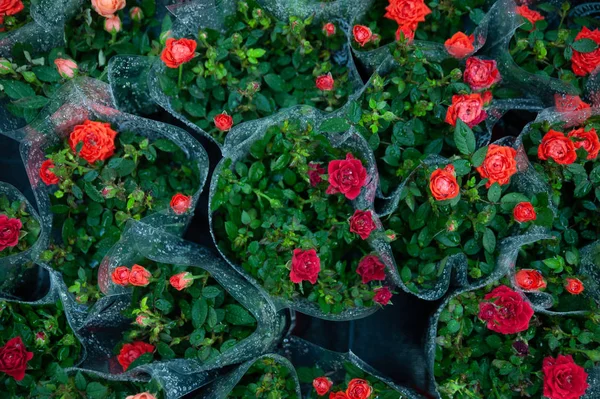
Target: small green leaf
x: 464, y: 138
x: 334, y: 125
x: 584, y: 45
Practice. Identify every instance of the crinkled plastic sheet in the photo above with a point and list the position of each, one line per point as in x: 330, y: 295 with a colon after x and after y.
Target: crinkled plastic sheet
x: 305, y: 354
x: 17, y: 268
x: 322, y: 10
x: 103, y: 327
x: 189, y: 18
x: 236, y: 146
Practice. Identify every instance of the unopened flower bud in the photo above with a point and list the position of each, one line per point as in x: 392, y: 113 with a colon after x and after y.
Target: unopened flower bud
x: 41, y: 339
x: 5, y: 66
x: 142, y: 320
x: 112, y: 24
x: 136, y: 14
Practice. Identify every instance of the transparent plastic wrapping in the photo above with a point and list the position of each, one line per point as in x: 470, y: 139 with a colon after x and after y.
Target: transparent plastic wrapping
x: 322, y: 10
x: 104, y: 325
x: 237, y: 146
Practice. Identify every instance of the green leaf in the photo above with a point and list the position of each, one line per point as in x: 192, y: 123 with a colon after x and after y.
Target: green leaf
x: 46, y: 74
x: 334, y: 125
x: 275, y: 82
x: 165, y: 351
x: 95, y: 390
x: 211, y: 292
x: 453, y: 326
x: 464, y: 138
x: 494, y: 192
x: 93, y: 193
x: 238, y: 316
x: 584, y: 45
x: 354, y: 112
x: 80, y: 381
x: 15, y: 89
x: 479, y: 156
x: 123, y: 166
x: 165, y: 145
x: 199, y: 312
x: 32, y: 102
x: 256, y: 52
x: 489, y: 241
x: 144, y: 359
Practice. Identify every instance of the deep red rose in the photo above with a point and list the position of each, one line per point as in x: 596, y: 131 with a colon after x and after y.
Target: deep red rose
x: 371, y: 268
x: 407, y: 32
x: 506, y: 312
x: 460, y: 45
x: 530, y: 15
x: 120, y: 276
x: 382, y: 296
x: 46, y: 174
x: 358, y: 389
x: 98, y: 141
x: 329, y: 29
x: 443, y: 184
x: 180, y: 203
x: 14, y: 358
x: 325, y: 82
x: 130, y: 352
x: 139, y: 276
x: 557, y: 146
x: 338, y: 395
x: 468, y: 108
x: 499, y: 165
x: 315, y: 171
x: 586, y: 140
x: 481, y: 74
x: 530, y: 279
x: 362, y: 223
x: 524, y: 212
x: 306, y: 265
x: 178, y: 51
x: 181, y: 281
x: 574, y: 286
x: 223, y: 122
x: 11, y: 7
x: 10, y: 228
x: 362, y: 34
x: 563, y: 378
x: 585, y: 63
x: 346, y: 176
x: 322, y: 385
x: 407, y: 11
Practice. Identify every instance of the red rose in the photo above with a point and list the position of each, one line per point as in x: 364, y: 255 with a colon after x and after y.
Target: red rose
x: 557, y: 146
x: 530, y: 280
x: 315, y: 171
x: 46, y: 174
x: 371, y: 268
x: 180, y: 203
x: 338, y: 395
x: 10, y: 7
x: 443, y: 184
x: 178, y: 52
x: 130, y: 352
x: 567, y: 103
x: 506, y: 312
x: 10, y: 228
x: 574, y: 286
x: 181, y: 281
x: 139, y: 276
x: 524, y: 212
x: 588, y: 140
x: 322, y: 385
x: 325, y: 82
x: 14, y: 358
x: 460, y: 45
x: 382, y: 296
x: 407, y: 32
x: 306, y: 265
x: 468, y: 108
x: 120, y: 276
x: 223, y: 122
x: 499, y: 165
x: 329, y: 29
x: 362, y: 34
x: 362, y: 223
x: 407, y: 11
x: 530, y: 15
x: 584, y: 63
x: 98, y: 141
x: 358, y: 389
x: 563, y: 378
x: 346, y: 176
x: 481, y: 74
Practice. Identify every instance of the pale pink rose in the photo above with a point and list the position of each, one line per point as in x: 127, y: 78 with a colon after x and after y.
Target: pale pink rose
x: 143, y: 395
x: 66, y: 68
x: 107, y: 8
x: 112, y: 24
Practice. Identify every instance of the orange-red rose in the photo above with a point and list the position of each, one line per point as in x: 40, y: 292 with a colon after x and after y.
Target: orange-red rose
x: 362, y: 34
x: 407, y: 11
x: 11, y: 7
x: 324, y: 82
x: 524, y: 212
x: 530, y: 15
x: 407, y: 32
x: 46, y: 174
x: 130, y: 352
x: 584, y: 63
x: 481, y: 74
x: 588, y: 140
x: 180, y: 203
x: 466, y: 107
x: 306, y: 265
x: 443, y: 184
x: 358, y: 389
x: 499, y: 165
x: 329, y: 29
x: 574, y: 286
x: 505, y: 311
x: 338, y: 395
x: 223, y: 122
x: 563, y: 378
x: 371, y: 268
x: 460, y: 45
x: 98, y: 141
x: 139, y: 276
x: 530, y: 279
x: 178, y: 52
x: 557, y: 146
x: 346, y: 176
x: 120, y: 276
x: 322, y: 385
x: 181, y: 281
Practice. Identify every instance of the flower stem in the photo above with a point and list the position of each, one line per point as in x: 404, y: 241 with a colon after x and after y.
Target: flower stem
x: 180, y: 76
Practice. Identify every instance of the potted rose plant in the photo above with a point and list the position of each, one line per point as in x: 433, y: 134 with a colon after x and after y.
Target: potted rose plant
x: 19, y: 224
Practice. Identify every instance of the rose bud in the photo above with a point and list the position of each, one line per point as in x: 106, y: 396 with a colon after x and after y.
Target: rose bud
x: 66, y: 68
x: 139, y: 276
x: 329, y: 29
x: 142, y: 320
x: 181, y: 281
x: 306, y: 266
x: 406, y: 33
x: 136, y: 14
x: 164, y: 36
x: 370, y: 268
x: 41, y: 339
x: 530, y: 279
x: 50, y: 326
x: 143, y: 395
x: 557, y: 146
x: 315, y: 171
x: 358, y: 389
x: 120, y: 276
x: 223, y: 122
x: 14, y: 358
x: 107, y: 8
x: 443, y: 184
x: 180, y: 203
x: 382, y: 296
x: 521, y: 347
x: 325, y: 82
x: 563, y: 378
x: 46, y: 174
x: 574, y: 286
x: 112, y: 24
x: 362, y: 223
x: 362, y: 34
x: 322, y: 385
x: 524, y: 212
x: 390, y: 236
x: 5, y: 66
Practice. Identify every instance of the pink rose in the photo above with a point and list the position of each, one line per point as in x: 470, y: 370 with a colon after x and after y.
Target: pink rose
x: 112, y: 24
x: 107, y: 8
x: 66, y: 68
